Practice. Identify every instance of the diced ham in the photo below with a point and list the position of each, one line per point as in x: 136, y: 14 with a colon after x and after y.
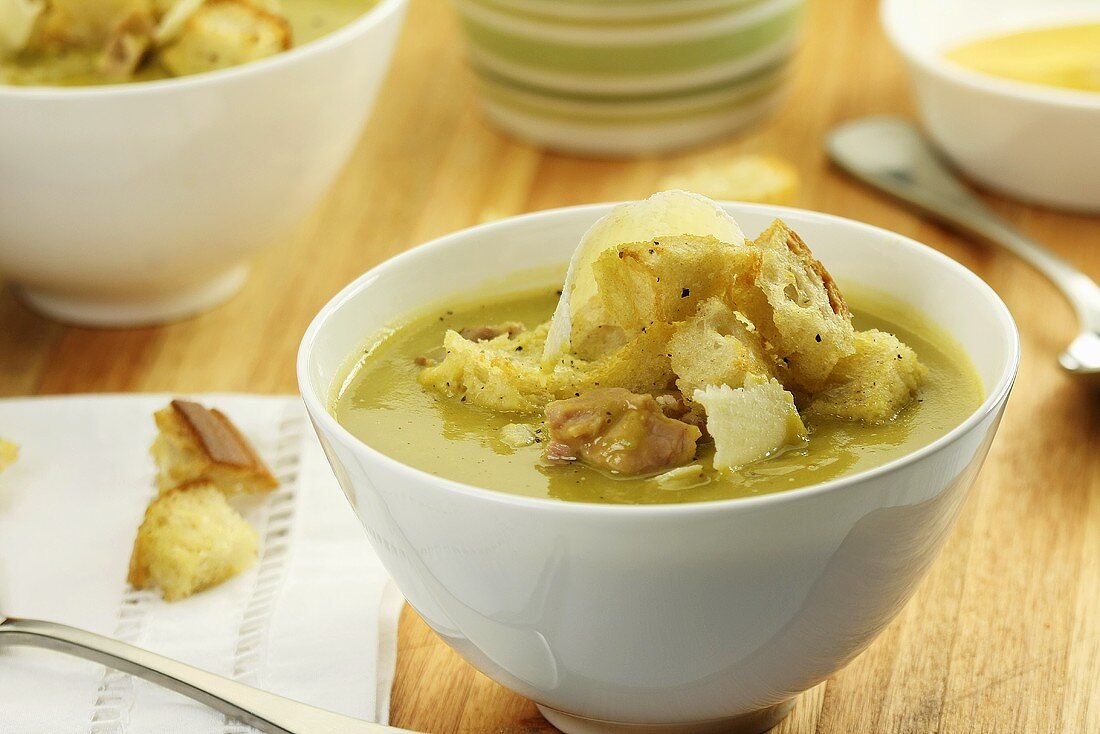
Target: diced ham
x: 617, y: 430
x: 487, y: 332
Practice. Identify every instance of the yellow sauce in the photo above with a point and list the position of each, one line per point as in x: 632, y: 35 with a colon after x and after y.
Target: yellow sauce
x: 1064, y: 56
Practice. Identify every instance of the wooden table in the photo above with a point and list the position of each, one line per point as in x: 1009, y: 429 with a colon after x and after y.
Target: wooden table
x: 1003, y: 636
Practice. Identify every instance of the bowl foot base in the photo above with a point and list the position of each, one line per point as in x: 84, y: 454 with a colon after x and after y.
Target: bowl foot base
x: 137, y: 310
x: 754, y: 722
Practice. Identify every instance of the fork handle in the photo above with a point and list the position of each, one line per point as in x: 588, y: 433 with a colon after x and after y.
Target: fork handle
x: 264, y: 711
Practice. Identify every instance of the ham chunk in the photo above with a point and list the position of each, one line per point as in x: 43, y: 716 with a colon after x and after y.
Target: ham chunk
x: 490, y: 332
x: 619, y: 431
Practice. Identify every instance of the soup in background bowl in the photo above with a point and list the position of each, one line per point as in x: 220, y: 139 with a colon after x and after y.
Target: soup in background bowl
x: 89, y: 42
x: 699, y: 616
x: 1039, y: 143
x: 1064, y: 56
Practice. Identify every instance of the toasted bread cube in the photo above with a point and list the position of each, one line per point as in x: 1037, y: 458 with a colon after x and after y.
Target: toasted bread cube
x: 750, y: 423
x: 795, y: 304
x: 9, y: 454
x: 594, y: 336
x: 501, y: 374
x: 714, y: 347
x: 85, y: 24
x: 200, y: 445
x: 761, y: 178
x: 191, y: 539
x: 17, y: 22
x: 225, y: 33
x: 874, y: 384
x: 666, y: 279
x: 127, y: 46
x: 641, y: 365
x: 505, y: 374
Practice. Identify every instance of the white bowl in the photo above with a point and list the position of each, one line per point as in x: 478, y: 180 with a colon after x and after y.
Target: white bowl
x: 684, y: 618
x: 140, y: 203
x: 1039, y: 144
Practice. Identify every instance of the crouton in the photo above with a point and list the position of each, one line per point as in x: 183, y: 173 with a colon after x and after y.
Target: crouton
x: 872, y: 385
x: 9, y: 454
x: 85, y: 24
x: 200, y: 445
x: 714, y: 347
x: 664, y: 214
x: 504, y: 374
x: 594, y: 336
x: 665, y: 279
x: 761, y: 178
x: 501, y: 374
x: 127, y: 46
x: 641, y: 365
x: 795, y: 304
x: 17, y: 23
x: 750, y: 423
x: 191, y: 539
x: 224, y: 33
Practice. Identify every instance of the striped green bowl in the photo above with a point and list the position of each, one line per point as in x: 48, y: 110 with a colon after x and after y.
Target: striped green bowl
x: 618, y: 77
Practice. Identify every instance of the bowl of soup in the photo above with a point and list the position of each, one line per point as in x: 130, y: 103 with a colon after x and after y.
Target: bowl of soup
x: 132, y: 196
x: 1009, y: 91
x: 674, y: 510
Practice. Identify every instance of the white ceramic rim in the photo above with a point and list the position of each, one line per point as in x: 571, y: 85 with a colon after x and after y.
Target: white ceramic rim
x: 372, y: 17
x: 892, y: 16
x: 318, y: 405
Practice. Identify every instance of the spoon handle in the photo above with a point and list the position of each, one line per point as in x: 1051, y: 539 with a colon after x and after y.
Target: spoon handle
x: 892, y: 155
x: 264, y: 711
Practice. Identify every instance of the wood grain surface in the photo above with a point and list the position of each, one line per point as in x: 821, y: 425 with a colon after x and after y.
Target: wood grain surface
x: 1003, y: 636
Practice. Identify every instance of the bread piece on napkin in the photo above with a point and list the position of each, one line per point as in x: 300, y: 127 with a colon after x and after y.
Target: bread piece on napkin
x: 191, y: 539
x: 196, y: 444
x: 9, y: 452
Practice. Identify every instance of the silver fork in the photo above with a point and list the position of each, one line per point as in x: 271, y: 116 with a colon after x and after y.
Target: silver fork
x: 891, y: 155
x: 260, y: 709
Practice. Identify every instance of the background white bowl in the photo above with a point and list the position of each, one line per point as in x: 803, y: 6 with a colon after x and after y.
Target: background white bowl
x: 140, y: 203
x: 1034, y: 143
x: 699, y: 617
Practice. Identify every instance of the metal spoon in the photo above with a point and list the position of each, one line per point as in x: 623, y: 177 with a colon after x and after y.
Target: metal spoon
x: 264, y: 711
x: 890, y: 154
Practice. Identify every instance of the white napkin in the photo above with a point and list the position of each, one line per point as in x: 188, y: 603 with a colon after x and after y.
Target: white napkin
x: 315, y: 619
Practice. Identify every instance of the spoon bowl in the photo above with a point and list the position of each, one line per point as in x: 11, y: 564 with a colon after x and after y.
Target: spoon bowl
x: 891, y: 155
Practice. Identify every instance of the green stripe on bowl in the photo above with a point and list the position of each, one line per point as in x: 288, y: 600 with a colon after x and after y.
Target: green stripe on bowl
x: 666, y: 83
x: 655, y: 111
x: 644, y: 59
x: 624, y: 35
x: 717, y: 86
x: 630, y: 139
x: 579, y: 15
